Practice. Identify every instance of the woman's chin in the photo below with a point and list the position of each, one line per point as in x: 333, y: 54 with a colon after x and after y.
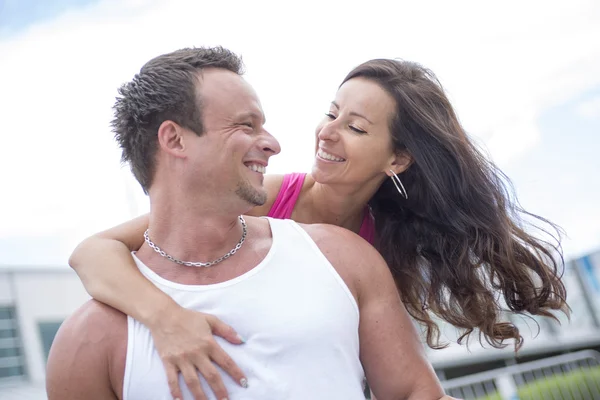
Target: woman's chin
x: 319, y: 175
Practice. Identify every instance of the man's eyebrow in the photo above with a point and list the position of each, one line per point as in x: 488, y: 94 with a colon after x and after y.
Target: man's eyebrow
x: 252, y: 115
x: 354, y: 113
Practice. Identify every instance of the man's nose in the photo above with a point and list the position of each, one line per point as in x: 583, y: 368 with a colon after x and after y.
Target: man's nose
x: 270, y: 145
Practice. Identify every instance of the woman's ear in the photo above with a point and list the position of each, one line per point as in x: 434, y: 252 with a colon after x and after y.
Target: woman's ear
x: 401, y: 162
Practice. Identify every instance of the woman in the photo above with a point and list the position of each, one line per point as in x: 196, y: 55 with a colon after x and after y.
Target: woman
x: 393, y: 164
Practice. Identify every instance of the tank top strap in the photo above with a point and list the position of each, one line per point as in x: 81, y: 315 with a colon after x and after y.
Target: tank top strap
x: 367, y: 228
x: 288, y: 196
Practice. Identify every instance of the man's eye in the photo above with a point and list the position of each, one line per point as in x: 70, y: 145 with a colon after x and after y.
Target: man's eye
x: 248, y: 124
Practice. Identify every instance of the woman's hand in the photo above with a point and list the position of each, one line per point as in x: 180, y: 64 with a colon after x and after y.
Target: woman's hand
x: 185, y: 342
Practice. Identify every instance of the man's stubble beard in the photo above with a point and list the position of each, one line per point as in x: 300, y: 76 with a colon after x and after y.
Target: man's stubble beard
x: 248, y: 193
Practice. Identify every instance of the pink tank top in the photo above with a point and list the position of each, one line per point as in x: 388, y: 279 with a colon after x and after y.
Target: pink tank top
x: 288, y: 195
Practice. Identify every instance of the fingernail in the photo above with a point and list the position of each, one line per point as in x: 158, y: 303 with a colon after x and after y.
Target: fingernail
x: 244, y: 383
x: 241, y: 339
x: 225, y: 398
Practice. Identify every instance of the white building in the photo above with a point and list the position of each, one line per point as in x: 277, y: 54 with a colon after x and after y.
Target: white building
x: 33, y: 303
x: 35, y: 300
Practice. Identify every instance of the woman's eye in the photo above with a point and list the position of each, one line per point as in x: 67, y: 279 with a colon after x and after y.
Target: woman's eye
x: 330, y: 115
x: 357, y: 130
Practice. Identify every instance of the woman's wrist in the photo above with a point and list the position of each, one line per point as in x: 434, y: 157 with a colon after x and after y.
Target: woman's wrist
x: 157, y: 313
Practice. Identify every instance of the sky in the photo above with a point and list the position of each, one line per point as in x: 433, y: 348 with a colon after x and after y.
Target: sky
x: 523, y: 76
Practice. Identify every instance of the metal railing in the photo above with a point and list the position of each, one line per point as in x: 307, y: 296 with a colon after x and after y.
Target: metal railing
x: 572, y: 376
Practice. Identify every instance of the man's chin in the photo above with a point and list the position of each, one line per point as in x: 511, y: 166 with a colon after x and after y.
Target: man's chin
x: 254, y: 196
x: 259, y: 200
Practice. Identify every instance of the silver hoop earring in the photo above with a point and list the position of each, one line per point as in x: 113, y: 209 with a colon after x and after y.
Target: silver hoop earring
x: 399, y: 185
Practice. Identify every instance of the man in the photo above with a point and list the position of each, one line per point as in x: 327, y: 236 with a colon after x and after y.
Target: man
x: 192, y: 130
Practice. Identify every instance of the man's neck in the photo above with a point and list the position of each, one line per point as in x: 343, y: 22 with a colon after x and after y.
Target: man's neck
x: 193, y: 232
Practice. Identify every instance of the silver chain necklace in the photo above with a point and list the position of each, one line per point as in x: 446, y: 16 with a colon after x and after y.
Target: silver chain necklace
x: 200, y: 264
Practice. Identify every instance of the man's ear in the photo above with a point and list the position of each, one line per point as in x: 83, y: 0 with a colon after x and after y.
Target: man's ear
x: 401, y: 162
x: 170, y: 138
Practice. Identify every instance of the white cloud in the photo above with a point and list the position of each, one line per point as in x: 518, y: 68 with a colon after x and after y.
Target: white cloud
x: 61, y: 167
x: 589, y: 108
x: 513, y: 138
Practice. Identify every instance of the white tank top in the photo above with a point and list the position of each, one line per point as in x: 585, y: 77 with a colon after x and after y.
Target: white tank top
x: 298, y: 317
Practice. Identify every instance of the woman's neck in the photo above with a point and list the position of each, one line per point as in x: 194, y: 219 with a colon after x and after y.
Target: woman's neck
x: 331, y: 204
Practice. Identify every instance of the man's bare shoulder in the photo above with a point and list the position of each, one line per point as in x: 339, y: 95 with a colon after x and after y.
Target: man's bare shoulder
x: 88, y: 353
x: 355, y: 259
x: 93, y: 315
x: 348, y: 243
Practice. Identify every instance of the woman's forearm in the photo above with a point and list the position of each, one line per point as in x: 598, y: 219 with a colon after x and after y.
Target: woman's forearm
x: 106, y: 267
x: 114, y: 279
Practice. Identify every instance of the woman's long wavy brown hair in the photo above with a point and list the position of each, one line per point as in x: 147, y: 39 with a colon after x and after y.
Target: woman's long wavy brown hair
x: 460, y: 239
